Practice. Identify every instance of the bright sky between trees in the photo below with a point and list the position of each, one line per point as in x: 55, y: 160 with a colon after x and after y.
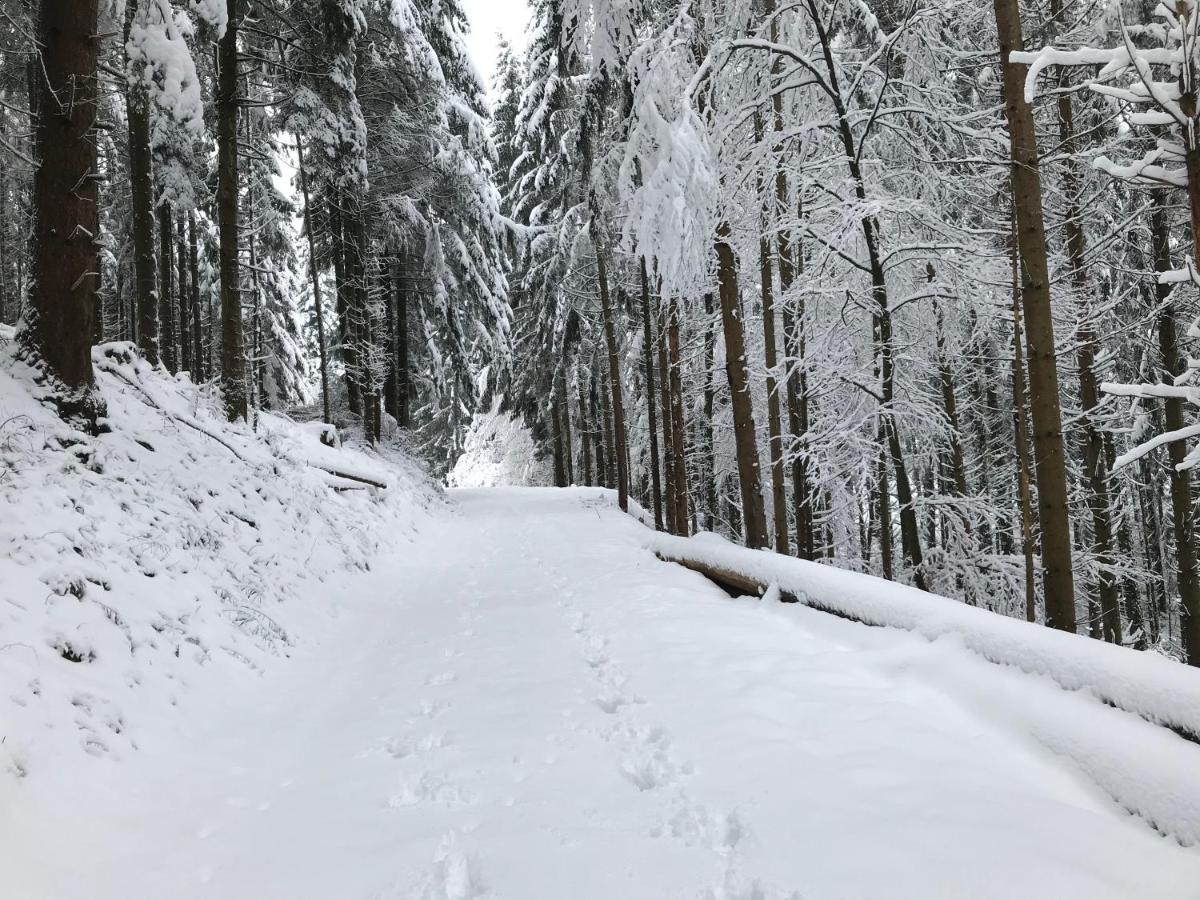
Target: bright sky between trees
x: 491, y: 19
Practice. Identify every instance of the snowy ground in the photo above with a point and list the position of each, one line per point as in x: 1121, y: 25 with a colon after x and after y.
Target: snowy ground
x: 528, y: 705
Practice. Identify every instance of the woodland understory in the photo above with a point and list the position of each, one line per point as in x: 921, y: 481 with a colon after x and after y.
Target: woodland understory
x: 879, y: 283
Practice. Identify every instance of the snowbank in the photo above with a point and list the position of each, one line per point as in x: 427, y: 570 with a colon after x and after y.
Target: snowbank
x: 172, y: 549
x: 1152, y: 686
x: 1145, y: 768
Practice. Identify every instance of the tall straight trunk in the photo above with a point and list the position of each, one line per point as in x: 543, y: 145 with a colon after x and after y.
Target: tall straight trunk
x: 560, y: 469
x: 403, y: 386
x: 257, y: 395
x: 796, y: 381
x: 201, y: 374
x: 166, y: 288
x: 710, y: 456
x: 1021, y: 432
x: 664, y: 380
x: 742, y: 406
x: 883, y: 511
x: 184, y: 292
x: 766, y: 279
x: 610, y: 451
x: 4, y: 207
x: 599, y: 422
x: 1182, y: 509
x: 233, y: 355
x: 651, y: 400
x: 58, y: 326
x: 1094, y: 463
x: 585, y: 447
x: 1058, y: 580
x: 614, y: 375
x: 314, y: 277
x: 679, y: 452
x: 958, y: 469
x: 560, y: 400
x: 141, y: 189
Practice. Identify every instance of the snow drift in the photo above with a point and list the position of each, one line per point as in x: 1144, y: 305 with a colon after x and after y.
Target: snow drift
x: 1146, y: 768
x: 174, y: 548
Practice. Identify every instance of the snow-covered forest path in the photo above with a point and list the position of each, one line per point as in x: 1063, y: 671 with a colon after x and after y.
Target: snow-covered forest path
x: 529, y: 705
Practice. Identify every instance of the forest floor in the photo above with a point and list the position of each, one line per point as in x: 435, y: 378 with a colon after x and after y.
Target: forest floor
x: 527, y: 705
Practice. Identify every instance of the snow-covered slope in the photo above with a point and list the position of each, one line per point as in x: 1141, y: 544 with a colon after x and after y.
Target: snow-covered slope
x: 170, y: 553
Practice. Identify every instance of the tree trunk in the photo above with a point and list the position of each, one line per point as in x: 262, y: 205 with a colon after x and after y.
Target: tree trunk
x: 651, y: 400
x: 560, y: 400
x: 679, y: 451
x: 141, y: 188
x: 710, y: 456
x: 1058, y: 579
x: 57, y: 333
x: 745, y: 435
x: 314, y: 276
x: 1173, y: 365
x: 614, y: 376
x: 185, y: 306
x: 560, y: 471
x: 166, y: 289
x: 1021, y: 432
x: 585, y: 447
x: 403, y: 383
x: 198, y: 355
x: 664, y: 380
x: 233, y: 356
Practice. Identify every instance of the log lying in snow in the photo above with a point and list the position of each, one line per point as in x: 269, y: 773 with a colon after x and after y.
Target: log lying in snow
x: 1155, y: 688
x: 349, y: 476
x: 735, y: 583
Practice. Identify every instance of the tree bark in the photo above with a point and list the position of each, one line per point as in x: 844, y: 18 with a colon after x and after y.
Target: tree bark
x: 141, y: 187
x: 201, y: 374
x: 314, y: 276
x: 233, y: 356
x: 710, y: 456
x: 766, y: 279
x: 1058, y: 580
x: 678, y: 433
x: 185, y: 306
x: 1182, y: 509
x: 614, y: 375
x: 1021, y: 433
x: 166, y: 289
x: 651, y: 400
x: 57, y: 332
x: 745, y: 435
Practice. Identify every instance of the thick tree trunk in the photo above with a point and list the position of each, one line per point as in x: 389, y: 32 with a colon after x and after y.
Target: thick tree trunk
x: 233, y: 356
x: 141, y: 188
x: 1021, y: 433
x: 744, y: 433
x: 560, y: 470
x: 1058, y: 578
x: 1182, y: 508
x: 560, y: 400
x: 651, y: 400
x: 314, y: 277
x: 57, y: 331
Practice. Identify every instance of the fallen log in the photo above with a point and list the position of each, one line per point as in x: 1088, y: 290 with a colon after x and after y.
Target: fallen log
x: 734, y: 583
x: 361, y: 479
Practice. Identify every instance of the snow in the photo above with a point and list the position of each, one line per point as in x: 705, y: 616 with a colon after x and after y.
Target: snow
x: 499, y: 451
x: 526, y: 703
x: 172, y: 554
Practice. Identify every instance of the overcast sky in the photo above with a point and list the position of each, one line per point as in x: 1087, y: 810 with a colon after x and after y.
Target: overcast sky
x: 489, y: 17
